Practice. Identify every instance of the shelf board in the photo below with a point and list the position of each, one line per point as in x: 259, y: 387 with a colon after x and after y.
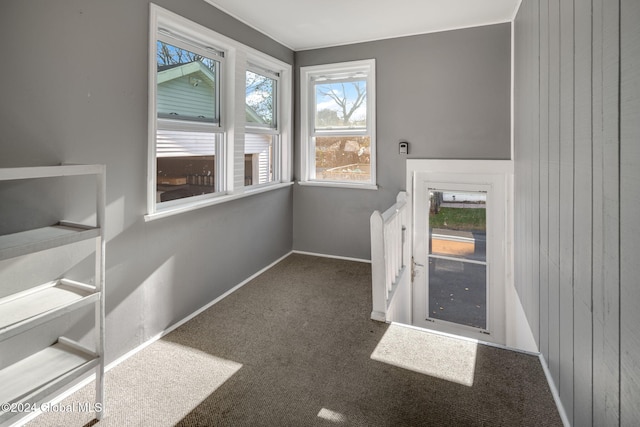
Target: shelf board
x: 41, y: 304
x: 37, y: 376
x: 49, y: 171
x: 39, y: 239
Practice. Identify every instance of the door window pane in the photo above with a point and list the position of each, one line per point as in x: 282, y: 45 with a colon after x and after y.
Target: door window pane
x: 457, y: 229
x: 458, y: 225
x: 458, y: 292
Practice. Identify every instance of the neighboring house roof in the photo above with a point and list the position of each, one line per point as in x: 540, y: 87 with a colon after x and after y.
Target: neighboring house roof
x: 252, y: 116
x: 170, y: 72
x: 168, y: 66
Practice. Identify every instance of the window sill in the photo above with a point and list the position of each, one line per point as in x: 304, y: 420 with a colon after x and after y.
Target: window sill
x: 188, y: 207
x: 338, y: 185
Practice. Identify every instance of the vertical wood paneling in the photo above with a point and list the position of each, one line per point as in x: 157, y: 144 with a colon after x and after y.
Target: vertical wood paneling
x: 554, y: 190
x: 587, y: 218
x: 544, y: 176
x: 606, y: 288
x: 565, y: 206
x: 534, y: 236
x: 582, y: 225
x: 630, y: 213
x: 599, y: 374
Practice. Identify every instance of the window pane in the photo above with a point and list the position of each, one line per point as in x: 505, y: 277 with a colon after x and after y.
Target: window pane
x: 260, y: 100
x: 458, y: 225
x: 186, y: 85
x: 172, y: 143
x: 343, y: 158
x: 258, y: 158
x: 458, y: 292
x: 341, y: 105
x: 185, y: 164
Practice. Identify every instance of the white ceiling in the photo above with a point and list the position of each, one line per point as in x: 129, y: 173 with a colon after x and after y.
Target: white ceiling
x: 304, y: 24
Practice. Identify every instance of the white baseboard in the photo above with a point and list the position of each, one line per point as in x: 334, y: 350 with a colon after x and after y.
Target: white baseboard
x: 554, y: 392
x: 368, y: 261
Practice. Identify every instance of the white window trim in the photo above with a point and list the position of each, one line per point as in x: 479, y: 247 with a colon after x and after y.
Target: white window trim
x: 282, y: 156
x: 307, y: 161
x: 283, y: 159
x: 235, y: 64
x: 338, y: 184
x: 212, y: 201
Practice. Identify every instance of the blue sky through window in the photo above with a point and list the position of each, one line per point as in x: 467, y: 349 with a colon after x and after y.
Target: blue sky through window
x: 167, y: 54
x: 340, y: 104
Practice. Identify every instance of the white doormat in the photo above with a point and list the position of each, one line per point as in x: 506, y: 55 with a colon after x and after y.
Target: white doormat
x: 431, y: 354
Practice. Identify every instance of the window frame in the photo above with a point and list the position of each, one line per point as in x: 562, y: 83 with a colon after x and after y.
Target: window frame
x: 232, y: 123
x: 216, y: 128
x: 340, y: 72
x: 263, y: 67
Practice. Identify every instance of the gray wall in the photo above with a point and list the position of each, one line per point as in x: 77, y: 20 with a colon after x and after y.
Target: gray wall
x: 74, y: 89
x: 446, y: 93
x: 576, y: 152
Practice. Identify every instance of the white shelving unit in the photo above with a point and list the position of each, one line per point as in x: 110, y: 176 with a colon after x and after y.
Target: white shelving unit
x: 38, y: 376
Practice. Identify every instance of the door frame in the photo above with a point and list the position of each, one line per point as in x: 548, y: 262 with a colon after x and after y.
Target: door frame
x: 498, y: 174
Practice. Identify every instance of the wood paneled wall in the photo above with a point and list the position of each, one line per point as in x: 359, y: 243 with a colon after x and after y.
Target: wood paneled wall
x: 577, y: 203
x: 630, y: 212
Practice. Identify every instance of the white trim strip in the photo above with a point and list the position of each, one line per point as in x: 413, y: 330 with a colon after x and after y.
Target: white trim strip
x: 554, y: 391
x: 338, y: 184
x: 367, y: 261
x: 249, y: 191
x: 172, y: 36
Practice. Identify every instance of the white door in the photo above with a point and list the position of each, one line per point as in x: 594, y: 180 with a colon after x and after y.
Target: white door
x: 459, y: 250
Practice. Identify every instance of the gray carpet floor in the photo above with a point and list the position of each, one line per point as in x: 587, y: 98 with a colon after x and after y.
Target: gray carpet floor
x: 294, y: 347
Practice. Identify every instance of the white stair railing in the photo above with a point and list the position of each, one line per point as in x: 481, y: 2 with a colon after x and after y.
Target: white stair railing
x: 389, y: 262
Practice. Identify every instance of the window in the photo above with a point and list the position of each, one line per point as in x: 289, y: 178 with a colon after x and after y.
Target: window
x: 209, y: 141
x: 262, y: 135
x: 188, y: 133
x: 338, y: 124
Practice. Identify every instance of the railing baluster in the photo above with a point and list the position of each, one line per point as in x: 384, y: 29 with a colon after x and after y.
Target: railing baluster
x: 387, y: 253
